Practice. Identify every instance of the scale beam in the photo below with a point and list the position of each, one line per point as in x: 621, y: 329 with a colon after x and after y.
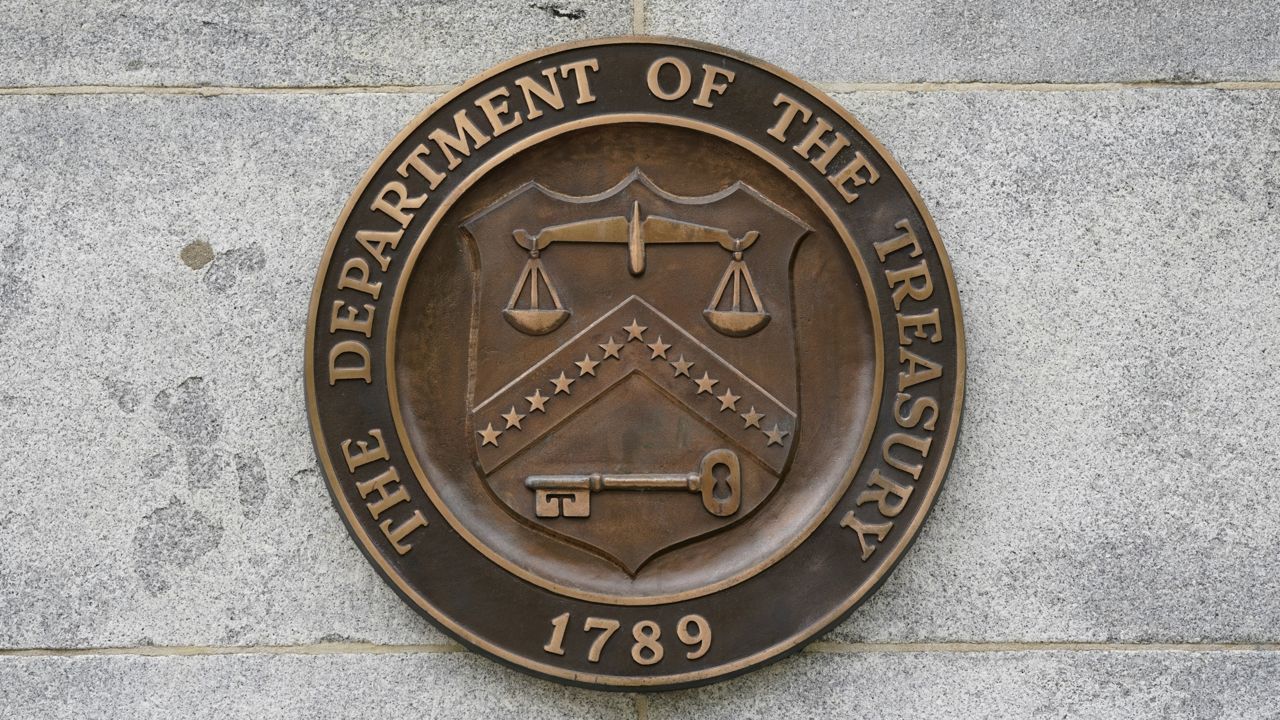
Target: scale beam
x: 743, y: 315
x: 635, y: 233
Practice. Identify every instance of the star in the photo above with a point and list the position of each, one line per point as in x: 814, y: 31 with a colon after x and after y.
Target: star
x: 682, y: 367
x: 659, y: 349
x: 513, y: 418
x: 775, y: 435
x: 635, y: 331
x: 752, y: 418
x: 728, y: 401
x: 587, y: 366
x: 705, y: 383
x: 562, y: 384
x: 611, y: 349
x: 490, y: 436
x: 538, y: 402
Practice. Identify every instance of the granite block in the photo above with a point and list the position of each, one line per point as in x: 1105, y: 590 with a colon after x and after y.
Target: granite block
x: 1116, y: 260
x: 993, y: 41
x: 262, y: 686
x: 166, y: 491
x: 283, y: 42
x: 1076, y: 685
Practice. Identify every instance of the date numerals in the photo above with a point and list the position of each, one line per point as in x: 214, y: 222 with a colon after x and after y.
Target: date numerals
x: 692, y: 630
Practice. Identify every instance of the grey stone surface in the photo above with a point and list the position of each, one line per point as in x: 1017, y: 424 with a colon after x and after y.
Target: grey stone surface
x: 1051, y: 684
x: 1117, y: 263
x: 1076, y: 685
x: 430, y: 685
x: 991, y: 41
x: 283, y: 42
x: 166, y: 491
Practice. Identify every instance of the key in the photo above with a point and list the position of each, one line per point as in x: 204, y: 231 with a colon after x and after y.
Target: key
x: 570, y: 495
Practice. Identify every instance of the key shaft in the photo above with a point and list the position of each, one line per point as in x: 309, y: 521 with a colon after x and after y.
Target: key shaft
x: 602, y: 481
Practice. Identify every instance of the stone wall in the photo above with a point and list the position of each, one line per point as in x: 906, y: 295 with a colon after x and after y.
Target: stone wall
x: 1106, y: 177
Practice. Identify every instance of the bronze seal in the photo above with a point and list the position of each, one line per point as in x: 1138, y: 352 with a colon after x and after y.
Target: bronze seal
x: 634, y: 363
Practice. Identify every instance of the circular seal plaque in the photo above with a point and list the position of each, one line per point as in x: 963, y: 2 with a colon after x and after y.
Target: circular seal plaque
x: 634, y: 363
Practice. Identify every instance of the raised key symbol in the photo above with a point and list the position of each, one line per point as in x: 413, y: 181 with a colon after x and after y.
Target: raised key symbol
x: 570, y: 495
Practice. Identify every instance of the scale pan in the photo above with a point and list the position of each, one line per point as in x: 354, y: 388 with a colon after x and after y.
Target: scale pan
x: 537, y: 321
x: 736, y: 323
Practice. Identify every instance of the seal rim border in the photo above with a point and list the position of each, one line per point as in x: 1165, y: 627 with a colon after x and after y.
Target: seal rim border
x: 762, y: 657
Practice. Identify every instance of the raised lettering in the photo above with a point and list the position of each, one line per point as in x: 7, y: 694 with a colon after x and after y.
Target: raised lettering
x: 550, y: 95
x: 360, y: 284
x: 395, y: 210
x: 919, y: 444
x: 579, y: 71
x: 906, y: 239
x: 494, y: 112
x: 886, y: 488
x: 376, y: 242
x: 352, y: 321
x: 464, y: 130
x: 683, y: 78
x: 417, y: 161
x: 830, y: 148
x: 900, y: 281
x: 919, y: 369
x: 349, y: 372
x: 365, y: 456
x: 917, y: 411
x: 850, y: 174
x: 386, y: 500
x: 397, y: 534
x: 779, y: 130
x: 919, y: 323
x: 709, y: 84
x: 880, y: 530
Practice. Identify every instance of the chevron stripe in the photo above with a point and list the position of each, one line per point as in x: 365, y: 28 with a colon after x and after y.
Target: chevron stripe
x: 634, y: 337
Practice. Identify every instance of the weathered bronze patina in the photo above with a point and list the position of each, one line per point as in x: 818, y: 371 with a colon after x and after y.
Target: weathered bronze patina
x: 635, y: 363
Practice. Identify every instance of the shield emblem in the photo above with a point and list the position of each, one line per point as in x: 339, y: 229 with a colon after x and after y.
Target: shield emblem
x: 633, y: 355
